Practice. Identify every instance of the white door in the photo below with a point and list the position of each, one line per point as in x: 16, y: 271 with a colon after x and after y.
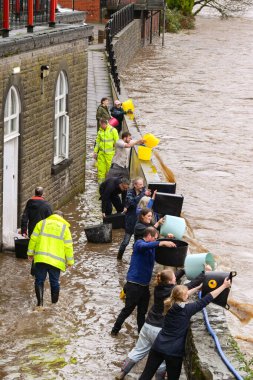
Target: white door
x: 10, y: 191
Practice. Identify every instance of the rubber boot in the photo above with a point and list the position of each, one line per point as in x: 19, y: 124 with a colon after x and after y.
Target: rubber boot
x: 55, y: 296
x: 39, y: 290
x: 160, y: 375
x: 126, y: 368
x: 120, y: 255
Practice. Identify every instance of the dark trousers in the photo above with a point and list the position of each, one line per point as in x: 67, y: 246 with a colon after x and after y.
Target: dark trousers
x: 41, y: 271
x: 116, y: 202
x: 173, y: 365
x: 124, y: 243
x: 136, y: 296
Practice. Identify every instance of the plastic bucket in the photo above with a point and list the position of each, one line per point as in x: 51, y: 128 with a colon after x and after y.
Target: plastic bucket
x: 174, y: 256
x: 144, y: 153
x: 173, y: 225
x: 150, y: 140
x: 195, y: 264
x: 100, y: 233
x: 214, y: 280
x: 117, y: 220
x: 113, y: 122
x: 128, y: 105
x: 21, y: 246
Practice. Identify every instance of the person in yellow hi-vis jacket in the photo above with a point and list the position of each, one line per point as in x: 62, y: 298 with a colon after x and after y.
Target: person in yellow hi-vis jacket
x: 105, y: 148
x: 51, y: 248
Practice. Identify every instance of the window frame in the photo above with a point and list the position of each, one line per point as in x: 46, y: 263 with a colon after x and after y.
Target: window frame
x: 10, y: 116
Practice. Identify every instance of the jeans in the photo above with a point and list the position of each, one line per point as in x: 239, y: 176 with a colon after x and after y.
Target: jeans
x: 41, y: 271
x: 136, y: 295
x: 125, y: 242
x: 144, y: 343
x: 155, y: 358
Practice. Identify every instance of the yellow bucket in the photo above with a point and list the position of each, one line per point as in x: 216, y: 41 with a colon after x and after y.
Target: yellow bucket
x: 150, y: 140
x: 128, y: 105
x: 144, y: 153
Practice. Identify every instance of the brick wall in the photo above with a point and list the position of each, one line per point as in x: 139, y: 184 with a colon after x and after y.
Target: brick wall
x: 92, y: 7
x: 37, y: 117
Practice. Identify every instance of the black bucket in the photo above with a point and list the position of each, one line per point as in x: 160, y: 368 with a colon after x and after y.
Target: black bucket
x: 174, y: 256
x: 214, y: 280
x: 162, y: 187
x: 21, y: 246
x: 168, y: 204
x: 100, y: 233
x: 117, y: 220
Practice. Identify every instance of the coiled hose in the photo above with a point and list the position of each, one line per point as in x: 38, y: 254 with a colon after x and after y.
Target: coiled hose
x: 217, y: 343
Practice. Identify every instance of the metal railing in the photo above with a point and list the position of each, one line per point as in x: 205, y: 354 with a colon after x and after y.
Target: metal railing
x: 119, y: 20
x: 18, y: 12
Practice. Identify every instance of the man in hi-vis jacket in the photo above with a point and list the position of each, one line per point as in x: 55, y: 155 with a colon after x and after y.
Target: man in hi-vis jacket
x: 51, y: 248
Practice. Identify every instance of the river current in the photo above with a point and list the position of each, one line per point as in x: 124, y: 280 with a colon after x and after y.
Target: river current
x: 196, y: 95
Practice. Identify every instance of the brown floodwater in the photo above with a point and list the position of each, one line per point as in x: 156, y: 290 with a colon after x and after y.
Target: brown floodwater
x: 196, y: 95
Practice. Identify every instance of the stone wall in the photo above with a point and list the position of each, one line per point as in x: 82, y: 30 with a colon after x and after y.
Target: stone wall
x: 62, y: 49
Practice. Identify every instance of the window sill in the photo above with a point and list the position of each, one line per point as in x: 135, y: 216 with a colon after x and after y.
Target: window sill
x: 56, y: 169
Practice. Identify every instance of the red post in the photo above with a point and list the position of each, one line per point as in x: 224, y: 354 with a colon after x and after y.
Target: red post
x: 30, y: 16
x: 52, y: 13
x: 37, y: 6
x: 6, y: 18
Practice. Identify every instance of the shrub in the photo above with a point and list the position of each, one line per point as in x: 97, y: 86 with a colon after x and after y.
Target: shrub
x: 185, y: 6
x: 175, y: 21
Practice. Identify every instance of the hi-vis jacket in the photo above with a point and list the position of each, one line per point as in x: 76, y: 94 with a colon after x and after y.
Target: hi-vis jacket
x: 106, y: 140
x: 51, y: 242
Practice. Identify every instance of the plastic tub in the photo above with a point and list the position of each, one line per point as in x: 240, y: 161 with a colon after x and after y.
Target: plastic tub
x: 113, y: 122
x: 21, y: 246
x: 144, y: 153
x: 195, y: 264
x: 100, y: 233
x: 214, y: 280
x: 117, y: 220
x: 173, y: 225
x: 174, y: 256
x: 128, y: 105
x: 150, y: 140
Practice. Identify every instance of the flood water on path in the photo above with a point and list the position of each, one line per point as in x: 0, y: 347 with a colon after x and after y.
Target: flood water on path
x: 196, y: 95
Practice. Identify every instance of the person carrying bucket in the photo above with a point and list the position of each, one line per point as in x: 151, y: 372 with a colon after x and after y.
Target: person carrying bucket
x: 118, y: 112
x: 170, y: 342
x: 166, y: 280
x: 105, y: 148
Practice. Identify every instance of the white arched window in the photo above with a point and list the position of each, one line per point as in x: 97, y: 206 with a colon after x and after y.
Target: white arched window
x: 61, y: 128
x: 11, y: 115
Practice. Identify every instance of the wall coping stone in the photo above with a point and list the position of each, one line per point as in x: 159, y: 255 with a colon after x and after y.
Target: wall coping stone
x: 20, y: 41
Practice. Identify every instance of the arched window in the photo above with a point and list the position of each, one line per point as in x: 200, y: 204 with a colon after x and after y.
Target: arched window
x: 61, y: 128
x: 11, y: 114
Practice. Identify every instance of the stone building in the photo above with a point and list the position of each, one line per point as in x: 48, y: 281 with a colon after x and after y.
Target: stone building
x: 43, y: 78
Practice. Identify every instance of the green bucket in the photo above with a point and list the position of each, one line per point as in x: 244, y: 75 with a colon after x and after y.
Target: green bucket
x: 195, y: 263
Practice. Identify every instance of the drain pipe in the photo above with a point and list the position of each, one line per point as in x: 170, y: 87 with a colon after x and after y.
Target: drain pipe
x: 217, y: 343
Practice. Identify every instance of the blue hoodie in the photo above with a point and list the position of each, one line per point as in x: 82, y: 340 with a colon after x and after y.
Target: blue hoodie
x: 142, y: 262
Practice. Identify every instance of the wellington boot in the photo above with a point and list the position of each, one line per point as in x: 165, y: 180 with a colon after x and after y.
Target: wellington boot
x: 39, y: 290
x: 55, y: 296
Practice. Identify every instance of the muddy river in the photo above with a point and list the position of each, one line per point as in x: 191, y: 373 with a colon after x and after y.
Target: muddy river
x: 196, y: 95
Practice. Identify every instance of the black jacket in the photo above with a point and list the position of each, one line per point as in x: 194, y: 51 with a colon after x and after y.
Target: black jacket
x: 155, y: 315
x: 36, y: 209
x: 110, y: 188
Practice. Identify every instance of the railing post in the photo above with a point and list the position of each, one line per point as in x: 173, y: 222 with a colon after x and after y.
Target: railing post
x: 30, y: 16
x: 52, y: 13
x: 6, y: 18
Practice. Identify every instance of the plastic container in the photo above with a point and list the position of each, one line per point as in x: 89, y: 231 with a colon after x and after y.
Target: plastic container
x: 162, y: 187
x: 117, y: 220
x: 100, y: 233
x: 128, y: 105
x: 113, y: 122
x: 173, y: 225
x: 168, y: 204
x: 174, y: 256
x: 195, y: 264
x: 21, y: 246
x: 150, y: 140
x: 144, y: 153
x: 214, y: 280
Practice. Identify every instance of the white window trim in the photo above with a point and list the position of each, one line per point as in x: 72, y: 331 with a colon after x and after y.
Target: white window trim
x: 59, y: 157
x: 11, y: 116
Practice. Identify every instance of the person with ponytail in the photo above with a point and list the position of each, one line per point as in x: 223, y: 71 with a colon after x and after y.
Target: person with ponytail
x: 170, y: 342
x: 166, y: 280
